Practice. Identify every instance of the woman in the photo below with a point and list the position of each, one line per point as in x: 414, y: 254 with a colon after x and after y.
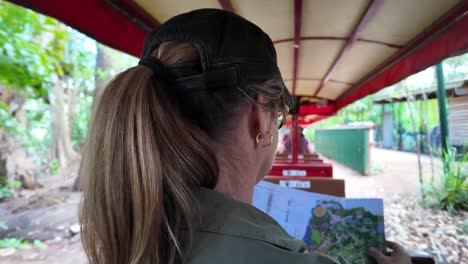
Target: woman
x: 303, y: 145
x: 177, y: 144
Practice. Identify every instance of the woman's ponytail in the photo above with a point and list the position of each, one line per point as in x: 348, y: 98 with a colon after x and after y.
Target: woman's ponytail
x: 142, y: 165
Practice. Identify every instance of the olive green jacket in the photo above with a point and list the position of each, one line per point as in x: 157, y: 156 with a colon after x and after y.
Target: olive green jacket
x: 235, y: 232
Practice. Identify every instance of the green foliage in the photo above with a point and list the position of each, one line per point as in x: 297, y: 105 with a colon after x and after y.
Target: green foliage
x: 54, y: 166
x: 31, y: 58
x: 35, y: 51
x: 13, y: 243
x: 456, y: 67
x: 359, y: 111
x: 3, y: 225
x: 31, y: 50
x: 7, y: 187
x: 80, y: 120
x: 364, y: 110
x: 5, y: 192
x: 8, y: 123
x: 464, y: 226
x: 429, y: 109
x: 452, y: 193
x: 309, y: 133
x: 20, y: 243
x: 39, y: 244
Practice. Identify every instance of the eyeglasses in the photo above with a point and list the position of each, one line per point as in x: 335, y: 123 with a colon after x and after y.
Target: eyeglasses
x: 280, y: 120
x: 279, y: 115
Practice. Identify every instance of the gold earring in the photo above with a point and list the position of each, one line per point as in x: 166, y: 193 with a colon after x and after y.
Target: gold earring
x: 259, y: 136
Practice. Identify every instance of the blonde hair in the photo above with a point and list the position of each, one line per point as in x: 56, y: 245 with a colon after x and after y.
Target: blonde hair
x: 148, y: 151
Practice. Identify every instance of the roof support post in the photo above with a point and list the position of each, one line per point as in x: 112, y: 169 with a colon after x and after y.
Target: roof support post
x: 226, y: 5
x: 295, y: 139
x: 297, y: 40
x: 442, y: 101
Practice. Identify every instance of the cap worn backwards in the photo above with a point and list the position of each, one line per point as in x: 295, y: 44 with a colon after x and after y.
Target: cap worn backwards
x: 233, y: 51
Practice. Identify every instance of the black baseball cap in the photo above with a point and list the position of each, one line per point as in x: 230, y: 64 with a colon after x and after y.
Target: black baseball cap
x: 232, y: 50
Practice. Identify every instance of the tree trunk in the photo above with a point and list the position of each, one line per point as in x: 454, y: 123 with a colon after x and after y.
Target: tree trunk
x: 428, y: 137
x: 400, y: 128
x: 101, y: 77
x: 418, y: 149
x: 14, y: 161
x: 72, y: 93
x: 61, y: 147
x: 102, y: 73
x: 60, y: 142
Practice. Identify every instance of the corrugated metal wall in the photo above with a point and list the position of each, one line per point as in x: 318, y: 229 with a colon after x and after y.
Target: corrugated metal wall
x: 458, y: 120
x: 346, y: 145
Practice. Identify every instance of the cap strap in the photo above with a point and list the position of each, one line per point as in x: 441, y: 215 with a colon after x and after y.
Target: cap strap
x: 214, y: 79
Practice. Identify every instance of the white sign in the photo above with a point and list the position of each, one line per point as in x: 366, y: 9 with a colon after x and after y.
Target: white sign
x: 301, y: 173
x: 295, y: 184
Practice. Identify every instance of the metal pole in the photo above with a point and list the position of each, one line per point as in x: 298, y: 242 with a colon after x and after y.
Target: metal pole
x: 441, y: 99
x: 295, y: 139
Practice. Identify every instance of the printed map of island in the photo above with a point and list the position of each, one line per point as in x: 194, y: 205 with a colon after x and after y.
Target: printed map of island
x: 347, y: 231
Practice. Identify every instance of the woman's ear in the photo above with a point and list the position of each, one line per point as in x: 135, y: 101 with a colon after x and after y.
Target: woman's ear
x: 260, y: 115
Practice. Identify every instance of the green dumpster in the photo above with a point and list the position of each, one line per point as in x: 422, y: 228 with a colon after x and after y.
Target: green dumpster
x: 348, y: 145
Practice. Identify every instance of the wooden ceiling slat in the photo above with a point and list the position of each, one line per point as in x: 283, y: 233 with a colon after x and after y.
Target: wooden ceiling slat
x: 316, y: 57
x: 370, y: 11
x: 333, y: 90
x: 391, y: 45
x: 275, y: 17
x: 399, y: 21
x: 304, y: 87
x: 331, y: 18
x: 285, y: 61
x: 360, y: 60
x: 416, y: 45
x: 318, y: 79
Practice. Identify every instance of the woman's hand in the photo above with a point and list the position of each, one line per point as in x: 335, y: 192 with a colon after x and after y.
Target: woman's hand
x: 398, y: 256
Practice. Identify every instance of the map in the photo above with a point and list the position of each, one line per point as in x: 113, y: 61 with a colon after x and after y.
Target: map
x: 338, y: 227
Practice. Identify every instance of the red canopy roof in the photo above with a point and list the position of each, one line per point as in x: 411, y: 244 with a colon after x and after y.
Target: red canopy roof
x: 337, y: 52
